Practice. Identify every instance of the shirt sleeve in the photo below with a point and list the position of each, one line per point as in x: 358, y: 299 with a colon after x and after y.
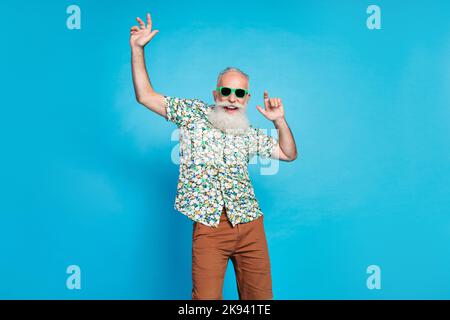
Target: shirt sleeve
x: 261, y: 144
x: 183, y: 111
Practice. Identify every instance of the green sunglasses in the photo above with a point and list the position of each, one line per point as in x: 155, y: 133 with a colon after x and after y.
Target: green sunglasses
x: 238, y: 92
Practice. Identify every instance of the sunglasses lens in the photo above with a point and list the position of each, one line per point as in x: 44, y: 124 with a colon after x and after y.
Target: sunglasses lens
x: 225, y: 91
x: 240, y: 93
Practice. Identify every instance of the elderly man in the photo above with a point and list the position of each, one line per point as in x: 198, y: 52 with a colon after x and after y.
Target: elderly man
x: 214, y: 188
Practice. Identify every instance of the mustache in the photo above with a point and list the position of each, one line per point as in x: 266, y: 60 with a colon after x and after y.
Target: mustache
x: 226, y: 104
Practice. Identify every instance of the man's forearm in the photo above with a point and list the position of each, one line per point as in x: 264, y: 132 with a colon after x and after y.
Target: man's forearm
x: 141, y: 81
x: 286, y: 139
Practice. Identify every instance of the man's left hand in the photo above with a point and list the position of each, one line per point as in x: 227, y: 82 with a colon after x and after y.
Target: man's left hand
x: 273, y: 108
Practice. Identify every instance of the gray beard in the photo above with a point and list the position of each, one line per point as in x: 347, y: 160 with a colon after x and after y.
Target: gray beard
x: 236, y: 123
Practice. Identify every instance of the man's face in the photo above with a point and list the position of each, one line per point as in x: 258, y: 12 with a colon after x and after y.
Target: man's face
x: 232, y: 79
x: 229, y: 112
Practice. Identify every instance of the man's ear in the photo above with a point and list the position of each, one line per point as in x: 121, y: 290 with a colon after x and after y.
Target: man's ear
x: 214, y: 92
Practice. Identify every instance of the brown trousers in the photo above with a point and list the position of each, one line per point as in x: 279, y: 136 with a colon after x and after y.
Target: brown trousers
x: 245, y: 245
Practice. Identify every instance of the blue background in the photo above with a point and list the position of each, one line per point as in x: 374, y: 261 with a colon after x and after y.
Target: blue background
x: 87, y: 176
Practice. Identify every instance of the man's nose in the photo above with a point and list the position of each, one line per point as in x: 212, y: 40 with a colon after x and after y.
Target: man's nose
x: 232, y: 98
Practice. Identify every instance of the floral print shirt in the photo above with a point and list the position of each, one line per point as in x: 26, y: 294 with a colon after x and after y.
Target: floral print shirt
x: 214, y: 165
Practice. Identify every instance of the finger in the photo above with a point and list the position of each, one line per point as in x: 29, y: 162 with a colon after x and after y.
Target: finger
x: 149, y: 21
x: 280, y: 103
x: 134, y: 28
x: 272, y: 102
x: 152, y: 34
x: 141, y: 23
x: 266, y: 98
x: 277, y: 102
x: 261, y: 110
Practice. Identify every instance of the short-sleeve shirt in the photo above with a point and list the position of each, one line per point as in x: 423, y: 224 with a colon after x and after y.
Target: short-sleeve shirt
x: 213, y: 169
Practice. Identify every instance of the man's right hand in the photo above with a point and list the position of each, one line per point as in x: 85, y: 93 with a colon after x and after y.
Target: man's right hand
x: 140, y: 36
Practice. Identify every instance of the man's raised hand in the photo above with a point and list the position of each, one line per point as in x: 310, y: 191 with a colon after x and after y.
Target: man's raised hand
x: 273, y: 108
x: 140, y: 36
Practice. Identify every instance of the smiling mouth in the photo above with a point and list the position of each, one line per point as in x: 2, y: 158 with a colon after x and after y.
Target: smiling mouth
x: 230, y: 108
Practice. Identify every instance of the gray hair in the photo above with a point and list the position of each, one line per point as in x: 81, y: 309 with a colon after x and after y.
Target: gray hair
x: 228, y: 69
